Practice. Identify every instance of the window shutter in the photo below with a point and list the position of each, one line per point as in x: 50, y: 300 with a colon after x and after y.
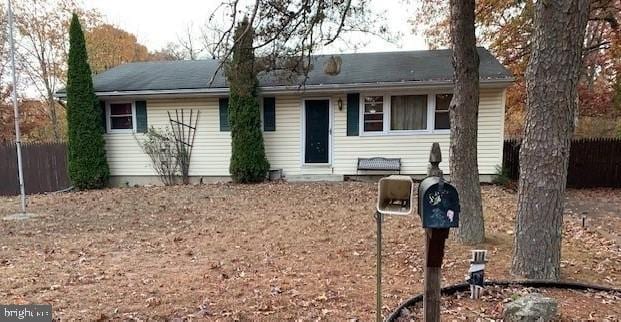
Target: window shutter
x: 102, y: 112
x: 269, y: 114
x: 224, y: 114
x: 353, y: 114
x: 141, y: 117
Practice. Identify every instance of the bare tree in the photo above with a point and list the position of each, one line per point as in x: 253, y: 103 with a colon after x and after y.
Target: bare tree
x: 4, y: 48
x: 551, y: 79
x: 172, y: 51
x: 287, y: 33
x: 209, y: 36
x: 188, y: 45
x: 5, y: 125
x: 43, y: 46
x: 464, y: 112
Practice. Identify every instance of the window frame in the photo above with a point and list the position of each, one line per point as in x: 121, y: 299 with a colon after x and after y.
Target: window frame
x: 262, y: 112
x: 362, y: 113
x: 434, y: 113
x: 387, y: 110
x: 109, y: 128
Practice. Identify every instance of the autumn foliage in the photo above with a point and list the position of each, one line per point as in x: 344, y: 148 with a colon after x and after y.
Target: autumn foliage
x: 109, y: 46
x: 505, y: 26
x: 42, y: 37
x: 33, y: 121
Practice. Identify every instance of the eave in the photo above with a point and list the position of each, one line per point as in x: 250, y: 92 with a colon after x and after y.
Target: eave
x: 295, y: 89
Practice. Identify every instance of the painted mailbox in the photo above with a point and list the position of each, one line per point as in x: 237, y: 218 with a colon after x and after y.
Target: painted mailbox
x: 438, y: 203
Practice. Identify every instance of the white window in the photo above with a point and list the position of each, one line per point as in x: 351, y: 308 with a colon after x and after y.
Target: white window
x: 404, y: 113
x: 442, y: 120
x: 121, y: 117
x: 374, y: 114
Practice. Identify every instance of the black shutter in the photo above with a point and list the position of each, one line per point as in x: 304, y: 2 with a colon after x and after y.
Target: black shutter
x: 269, y: 114
x: 224, y: 114
x: 104, y: 119
x: 353, y: 114
x: 141, y: 117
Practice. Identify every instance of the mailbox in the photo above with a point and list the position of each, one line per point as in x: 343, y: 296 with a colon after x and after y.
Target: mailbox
x: 395, y: 195
x: 438, y: 203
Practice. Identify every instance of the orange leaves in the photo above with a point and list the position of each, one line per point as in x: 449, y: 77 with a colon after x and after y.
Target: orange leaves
x: 109, y: 46
x: 504, y: 26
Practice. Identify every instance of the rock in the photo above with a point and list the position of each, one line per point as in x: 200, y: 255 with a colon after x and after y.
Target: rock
x: 532, y: 307
x: 404, y: 315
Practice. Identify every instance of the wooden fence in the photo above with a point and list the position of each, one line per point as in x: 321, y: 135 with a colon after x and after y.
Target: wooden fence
x: 45, y: 168
x: 592, y: 162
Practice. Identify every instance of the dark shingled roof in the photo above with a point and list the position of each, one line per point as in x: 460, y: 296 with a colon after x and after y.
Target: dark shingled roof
x: 363, y: 68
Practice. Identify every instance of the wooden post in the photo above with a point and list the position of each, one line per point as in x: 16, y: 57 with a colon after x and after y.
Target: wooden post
x: 434, y: 251
x: 378, y: 294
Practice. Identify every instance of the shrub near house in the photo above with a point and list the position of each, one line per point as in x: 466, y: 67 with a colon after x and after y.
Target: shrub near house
x: 87, y: 158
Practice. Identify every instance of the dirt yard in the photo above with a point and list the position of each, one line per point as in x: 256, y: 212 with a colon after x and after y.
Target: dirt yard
x: 261, y: 252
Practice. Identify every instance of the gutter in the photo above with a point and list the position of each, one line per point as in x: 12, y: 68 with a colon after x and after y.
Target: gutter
x: 295, y: 89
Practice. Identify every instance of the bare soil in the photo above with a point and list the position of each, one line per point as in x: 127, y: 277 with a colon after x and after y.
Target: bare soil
x: 265, y: 252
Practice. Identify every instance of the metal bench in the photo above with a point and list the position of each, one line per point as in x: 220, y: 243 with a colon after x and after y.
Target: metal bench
x: 379, y: 164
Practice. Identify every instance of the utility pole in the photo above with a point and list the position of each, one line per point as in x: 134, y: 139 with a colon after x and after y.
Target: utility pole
x: 18, y: 144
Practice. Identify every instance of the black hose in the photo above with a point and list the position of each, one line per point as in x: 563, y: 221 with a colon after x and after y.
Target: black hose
x: 461, y: 287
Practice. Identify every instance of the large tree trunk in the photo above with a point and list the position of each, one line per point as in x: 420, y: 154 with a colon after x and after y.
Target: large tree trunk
x: 464, y: 111
x: 551, y: 78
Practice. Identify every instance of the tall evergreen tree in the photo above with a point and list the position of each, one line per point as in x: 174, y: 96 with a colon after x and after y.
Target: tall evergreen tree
x: 88, y: 168
x: 248, y: 161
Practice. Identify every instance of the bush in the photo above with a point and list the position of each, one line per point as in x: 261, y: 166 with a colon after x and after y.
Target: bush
x: 88, y: 168
x: 502, y: 177
x: 161, y: 149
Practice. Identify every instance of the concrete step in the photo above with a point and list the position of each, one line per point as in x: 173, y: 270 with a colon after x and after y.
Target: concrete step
x: 314, y: 177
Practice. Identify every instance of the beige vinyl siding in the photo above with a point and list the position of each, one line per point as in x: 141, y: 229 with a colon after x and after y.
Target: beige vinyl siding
x: 282, y: 146
x: 125, y: 157
x: 413, y: 149
x: 212, y: 150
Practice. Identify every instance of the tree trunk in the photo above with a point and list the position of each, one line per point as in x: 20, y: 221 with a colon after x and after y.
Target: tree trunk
x: 551, y: 78
x: 51, y: 103
x: 464, y: 111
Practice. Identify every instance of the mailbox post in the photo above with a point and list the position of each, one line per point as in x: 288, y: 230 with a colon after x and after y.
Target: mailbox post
x: 394, y: 197
x: 438, y: 207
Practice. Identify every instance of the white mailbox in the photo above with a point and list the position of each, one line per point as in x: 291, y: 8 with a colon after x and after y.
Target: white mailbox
x: 395, y: 195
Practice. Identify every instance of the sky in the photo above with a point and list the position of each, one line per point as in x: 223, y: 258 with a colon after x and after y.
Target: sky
x: 158, y: 22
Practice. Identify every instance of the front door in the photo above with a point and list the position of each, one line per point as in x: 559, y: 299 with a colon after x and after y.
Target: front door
x: 317, y: 132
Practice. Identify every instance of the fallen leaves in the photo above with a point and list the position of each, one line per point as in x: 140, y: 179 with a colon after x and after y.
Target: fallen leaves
x: 255, y: 252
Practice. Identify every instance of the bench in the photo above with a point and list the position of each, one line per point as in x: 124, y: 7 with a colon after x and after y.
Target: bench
x: 379, y: 164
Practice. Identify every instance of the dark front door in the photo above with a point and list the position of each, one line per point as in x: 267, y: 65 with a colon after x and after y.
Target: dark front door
x: 316, y: 145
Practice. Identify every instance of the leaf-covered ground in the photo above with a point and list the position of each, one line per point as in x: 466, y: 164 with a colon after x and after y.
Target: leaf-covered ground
x: 260, y: 252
